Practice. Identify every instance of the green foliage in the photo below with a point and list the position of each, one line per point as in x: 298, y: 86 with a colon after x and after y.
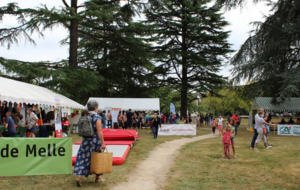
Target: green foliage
x: 113, y: 59
x: 190, y: 45
x: 231, y: 4
x: 269, y: 59
x: 167, y: 95
x: 227, y: 102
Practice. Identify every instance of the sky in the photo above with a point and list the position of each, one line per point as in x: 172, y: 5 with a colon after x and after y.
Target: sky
x: 49, y: 48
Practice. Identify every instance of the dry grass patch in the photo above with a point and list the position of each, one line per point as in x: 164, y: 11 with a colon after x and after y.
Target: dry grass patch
x: 201, y: 166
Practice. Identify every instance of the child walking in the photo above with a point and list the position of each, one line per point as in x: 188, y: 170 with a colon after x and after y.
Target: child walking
x: 213, y: 125
x: 227, y: 142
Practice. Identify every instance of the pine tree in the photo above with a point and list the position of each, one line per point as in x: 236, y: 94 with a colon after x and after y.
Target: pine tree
x: 109, y: 50
x: 190, y: 44
x: 269, y: 59
x: 114, y: 46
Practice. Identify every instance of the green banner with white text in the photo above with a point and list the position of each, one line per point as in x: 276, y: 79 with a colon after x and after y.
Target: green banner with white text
x: 35, y: 156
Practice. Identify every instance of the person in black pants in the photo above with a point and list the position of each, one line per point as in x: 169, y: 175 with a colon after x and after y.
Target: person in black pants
x: 129, y: 119
x: 155, y: 122
x: 255, y: 134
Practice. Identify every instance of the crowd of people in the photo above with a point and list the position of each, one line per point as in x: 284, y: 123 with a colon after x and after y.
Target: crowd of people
x: 290, y: 121
x: 12, y: 120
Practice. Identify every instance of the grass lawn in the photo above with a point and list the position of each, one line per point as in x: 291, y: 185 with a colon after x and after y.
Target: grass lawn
x: 200, y: 166
x: 139, y: 152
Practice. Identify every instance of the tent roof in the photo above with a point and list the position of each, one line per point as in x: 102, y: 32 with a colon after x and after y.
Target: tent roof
x: 289, y: 105
x: 128, y: 103
x: 21, y: 92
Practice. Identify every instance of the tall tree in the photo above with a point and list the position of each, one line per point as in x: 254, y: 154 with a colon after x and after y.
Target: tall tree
x: 269, y: 60
x: 191, y: 44
x: 110, y: 52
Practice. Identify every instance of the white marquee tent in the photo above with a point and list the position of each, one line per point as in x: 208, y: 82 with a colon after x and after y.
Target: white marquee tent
x: 128, y: 103
x: 21, y: 92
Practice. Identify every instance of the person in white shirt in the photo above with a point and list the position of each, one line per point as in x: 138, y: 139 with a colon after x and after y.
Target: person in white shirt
x: 32, y: 121
x: 220, y: 124
x: 259, y: 124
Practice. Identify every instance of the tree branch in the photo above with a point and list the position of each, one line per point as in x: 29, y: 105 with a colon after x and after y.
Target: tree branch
x: 66, y: 4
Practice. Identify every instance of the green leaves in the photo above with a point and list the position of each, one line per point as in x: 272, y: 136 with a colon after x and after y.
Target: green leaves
x: 269, y: 59
x: 228, y: 101
x: 190, y: 45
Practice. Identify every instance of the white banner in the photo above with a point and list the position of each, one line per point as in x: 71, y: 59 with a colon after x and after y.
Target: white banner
x: 288, y: 130
x: 178, y: 129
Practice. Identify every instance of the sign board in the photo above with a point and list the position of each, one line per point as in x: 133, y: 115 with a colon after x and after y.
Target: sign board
x: 288, y: 130
x: 178, y: 129
x: 35, y: 156
x: 57, y: 101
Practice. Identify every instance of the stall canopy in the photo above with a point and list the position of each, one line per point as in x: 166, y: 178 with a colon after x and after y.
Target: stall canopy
x: 289, y: 105
x: 21, y: 92
x: 128, y: 103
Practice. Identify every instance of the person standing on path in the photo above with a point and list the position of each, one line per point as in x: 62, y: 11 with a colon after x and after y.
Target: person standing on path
x: 220, y: 124
x: 89, y: 145
x: 155, y: 123
x: 214, y: 125
x: 236, y: 121
x: 129, y: 119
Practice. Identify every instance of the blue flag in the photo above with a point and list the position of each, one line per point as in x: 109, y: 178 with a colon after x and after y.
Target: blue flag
x: 172, y: 108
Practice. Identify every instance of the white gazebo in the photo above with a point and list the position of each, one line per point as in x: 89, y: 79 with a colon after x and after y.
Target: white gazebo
x: 21, y: 92
x: 128, y: 103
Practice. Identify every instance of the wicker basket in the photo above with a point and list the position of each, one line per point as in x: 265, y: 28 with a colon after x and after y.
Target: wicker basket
x: 101, y: 162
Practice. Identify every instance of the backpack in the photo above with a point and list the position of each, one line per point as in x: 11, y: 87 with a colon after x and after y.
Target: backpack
x: 85, y: 128
x: 110, y: 117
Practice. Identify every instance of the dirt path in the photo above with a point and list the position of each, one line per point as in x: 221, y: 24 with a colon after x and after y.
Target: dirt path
x: 151, y: 173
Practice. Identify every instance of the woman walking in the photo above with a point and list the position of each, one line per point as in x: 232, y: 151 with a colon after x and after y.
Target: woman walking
x: 89, y: 145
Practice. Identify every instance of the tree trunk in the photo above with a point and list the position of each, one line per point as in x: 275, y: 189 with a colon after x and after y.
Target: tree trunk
x: 184, y: 88
x: 73, y: 37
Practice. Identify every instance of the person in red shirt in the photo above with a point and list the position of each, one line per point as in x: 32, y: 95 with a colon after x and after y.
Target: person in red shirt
x: 163, y: 117
x: 236, y: 122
